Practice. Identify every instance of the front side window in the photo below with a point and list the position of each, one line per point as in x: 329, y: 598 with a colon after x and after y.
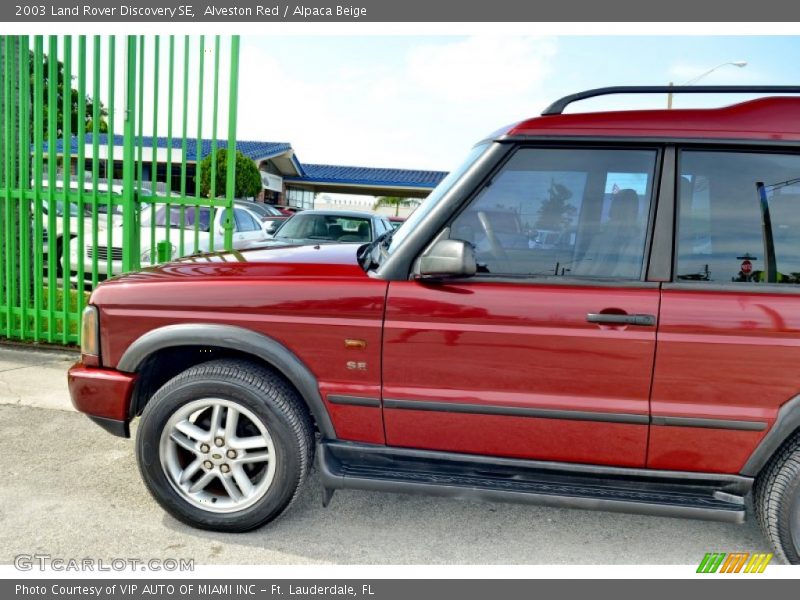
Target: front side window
x: 563, y: 212
x: 244, y: 222
x: 738, y: 217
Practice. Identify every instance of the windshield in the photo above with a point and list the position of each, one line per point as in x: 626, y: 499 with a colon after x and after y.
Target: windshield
x: 332, y: 228
x: 191, y: 215
x: 434, y: 197
x: 59, y: 204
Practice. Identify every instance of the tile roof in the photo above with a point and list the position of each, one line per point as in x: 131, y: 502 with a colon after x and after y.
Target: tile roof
x: 252, y: 149
x: 255, y: 150
x: 370, y: 176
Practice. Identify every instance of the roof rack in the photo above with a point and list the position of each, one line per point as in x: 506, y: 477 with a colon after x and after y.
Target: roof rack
x: 557, y: 107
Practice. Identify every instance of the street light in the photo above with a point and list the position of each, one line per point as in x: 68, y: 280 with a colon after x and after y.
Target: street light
x: 737, y: 63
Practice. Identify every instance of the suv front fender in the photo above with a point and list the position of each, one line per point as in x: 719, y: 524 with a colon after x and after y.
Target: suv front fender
x: 242, y: 340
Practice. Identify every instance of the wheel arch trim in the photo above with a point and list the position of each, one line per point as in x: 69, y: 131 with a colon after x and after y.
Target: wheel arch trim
x: 786, y: 422
x: 234, y: 338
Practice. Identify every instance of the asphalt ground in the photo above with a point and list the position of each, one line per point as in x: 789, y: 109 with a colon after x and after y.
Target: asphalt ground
x: 72, y: 490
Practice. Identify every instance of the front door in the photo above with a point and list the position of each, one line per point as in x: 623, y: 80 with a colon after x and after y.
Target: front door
x: 547, y: 353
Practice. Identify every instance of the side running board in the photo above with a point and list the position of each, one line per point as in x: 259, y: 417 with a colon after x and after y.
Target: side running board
x: 346, y: 465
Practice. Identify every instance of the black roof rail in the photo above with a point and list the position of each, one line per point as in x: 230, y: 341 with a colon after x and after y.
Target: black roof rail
x: 557, y: 107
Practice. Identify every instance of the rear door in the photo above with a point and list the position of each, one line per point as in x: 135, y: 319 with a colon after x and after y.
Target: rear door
x: 547, y: 353
x: 729, y: 334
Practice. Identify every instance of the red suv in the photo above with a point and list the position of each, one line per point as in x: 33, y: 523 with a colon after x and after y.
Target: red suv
x: 647, y: 360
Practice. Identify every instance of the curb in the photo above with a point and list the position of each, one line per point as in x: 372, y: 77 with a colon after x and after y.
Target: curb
x: 39, y: 347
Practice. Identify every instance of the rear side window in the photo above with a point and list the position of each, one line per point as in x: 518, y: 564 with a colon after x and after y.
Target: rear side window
x: 739, y: 217
x: 563, y: 212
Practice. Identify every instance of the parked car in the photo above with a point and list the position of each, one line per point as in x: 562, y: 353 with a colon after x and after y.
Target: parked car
x: 248, y: 232
x: 73, y: 213
x: 330, y: 226
x: 269, y: 216
x: 639, y: 364
x: 264, y: 211
x: 395, y: 222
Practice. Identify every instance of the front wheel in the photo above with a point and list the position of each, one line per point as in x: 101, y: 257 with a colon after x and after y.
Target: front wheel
x: 777, y: 502
x: 225, y: 445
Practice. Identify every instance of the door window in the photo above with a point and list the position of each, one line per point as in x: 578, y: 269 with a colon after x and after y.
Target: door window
x: 738, y: 217
x: 244, y: 221
x: 563, y: 212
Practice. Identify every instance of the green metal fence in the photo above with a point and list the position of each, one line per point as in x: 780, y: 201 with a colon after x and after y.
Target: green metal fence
x: 84, y: 194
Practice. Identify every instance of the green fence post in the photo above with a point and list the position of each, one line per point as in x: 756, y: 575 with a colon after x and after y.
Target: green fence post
x: 24, y: 217
x: 233, y: 98
x: 52, y: 158
x: 80, y: 242
x: 130, y: 225
x: 38, y: 173
x: 66, y: 179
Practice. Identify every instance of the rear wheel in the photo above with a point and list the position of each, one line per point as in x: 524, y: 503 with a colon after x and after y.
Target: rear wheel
x: 225, y: 445
x: 777, y: 501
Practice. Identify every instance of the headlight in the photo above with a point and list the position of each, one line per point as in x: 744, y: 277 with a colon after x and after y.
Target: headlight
x: 90, y: 333
x: 146, y: 255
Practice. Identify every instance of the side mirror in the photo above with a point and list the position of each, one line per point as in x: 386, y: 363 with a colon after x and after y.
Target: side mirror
x: 272, y: 227
x: 446, y: 259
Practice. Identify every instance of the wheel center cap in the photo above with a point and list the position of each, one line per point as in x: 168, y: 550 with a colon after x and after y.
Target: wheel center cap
x: 216, y: 456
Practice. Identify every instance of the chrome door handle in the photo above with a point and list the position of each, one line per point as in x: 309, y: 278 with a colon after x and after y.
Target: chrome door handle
x: 612, y: 319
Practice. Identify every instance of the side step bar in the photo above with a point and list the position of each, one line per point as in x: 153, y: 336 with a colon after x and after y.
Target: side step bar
x: 347, y: 465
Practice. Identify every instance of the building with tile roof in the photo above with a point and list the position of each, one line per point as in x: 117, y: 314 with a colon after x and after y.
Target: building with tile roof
x: 286, y: 180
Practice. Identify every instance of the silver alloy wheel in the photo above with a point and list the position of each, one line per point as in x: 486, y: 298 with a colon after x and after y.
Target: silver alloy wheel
x: 217, y: 455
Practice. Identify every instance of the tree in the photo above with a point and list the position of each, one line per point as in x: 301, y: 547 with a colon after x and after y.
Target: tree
x: 394, y: 201
x: 556, y: 213
x: 248, y: 179
x: 73, y: 98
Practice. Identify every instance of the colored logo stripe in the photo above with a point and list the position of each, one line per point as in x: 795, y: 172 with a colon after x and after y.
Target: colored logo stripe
x: 758, y: 563
x: 721, y: 562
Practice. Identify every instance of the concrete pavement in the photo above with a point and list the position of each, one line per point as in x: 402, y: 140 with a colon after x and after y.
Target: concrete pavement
x: 71, y: 490
x: 34, y: 377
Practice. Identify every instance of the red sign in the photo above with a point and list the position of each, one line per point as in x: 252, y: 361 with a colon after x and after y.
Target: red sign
x: 747, y: 267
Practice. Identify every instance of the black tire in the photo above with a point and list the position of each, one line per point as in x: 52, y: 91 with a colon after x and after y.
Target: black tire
x: 268, y: 397
x: 777, y: 501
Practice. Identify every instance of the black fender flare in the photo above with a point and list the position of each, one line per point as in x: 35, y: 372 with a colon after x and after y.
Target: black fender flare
x: 786, y: 422
x: 242, y: 340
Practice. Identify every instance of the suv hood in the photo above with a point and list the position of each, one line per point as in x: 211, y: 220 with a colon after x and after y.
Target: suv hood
x: 323, y: 260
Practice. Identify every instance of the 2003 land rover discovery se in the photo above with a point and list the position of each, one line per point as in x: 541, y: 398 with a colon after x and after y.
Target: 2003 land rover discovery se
x: 646, y: 360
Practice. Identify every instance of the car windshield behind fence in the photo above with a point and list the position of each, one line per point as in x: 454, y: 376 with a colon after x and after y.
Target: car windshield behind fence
x: 185, y: 218
x: 329, y: 228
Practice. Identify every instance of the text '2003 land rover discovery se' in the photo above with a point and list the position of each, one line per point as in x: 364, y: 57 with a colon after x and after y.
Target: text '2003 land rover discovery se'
x: 595, y: 310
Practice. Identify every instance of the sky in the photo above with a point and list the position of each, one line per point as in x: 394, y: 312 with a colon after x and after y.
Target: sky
x: 422, y: 102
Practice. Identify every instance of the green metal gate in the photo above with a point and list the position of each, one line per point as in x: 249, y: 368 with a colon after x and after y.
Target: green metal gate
x: 84, y: 195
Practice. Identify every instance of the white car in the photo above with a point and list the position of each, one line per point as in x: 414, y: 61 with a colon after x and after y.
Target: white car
x: 247, y: 232
x: 56, y: 237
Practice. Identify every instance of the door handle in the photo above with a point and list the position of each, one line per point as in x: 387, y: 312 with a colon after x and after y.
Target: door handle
x: 614, y: 319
